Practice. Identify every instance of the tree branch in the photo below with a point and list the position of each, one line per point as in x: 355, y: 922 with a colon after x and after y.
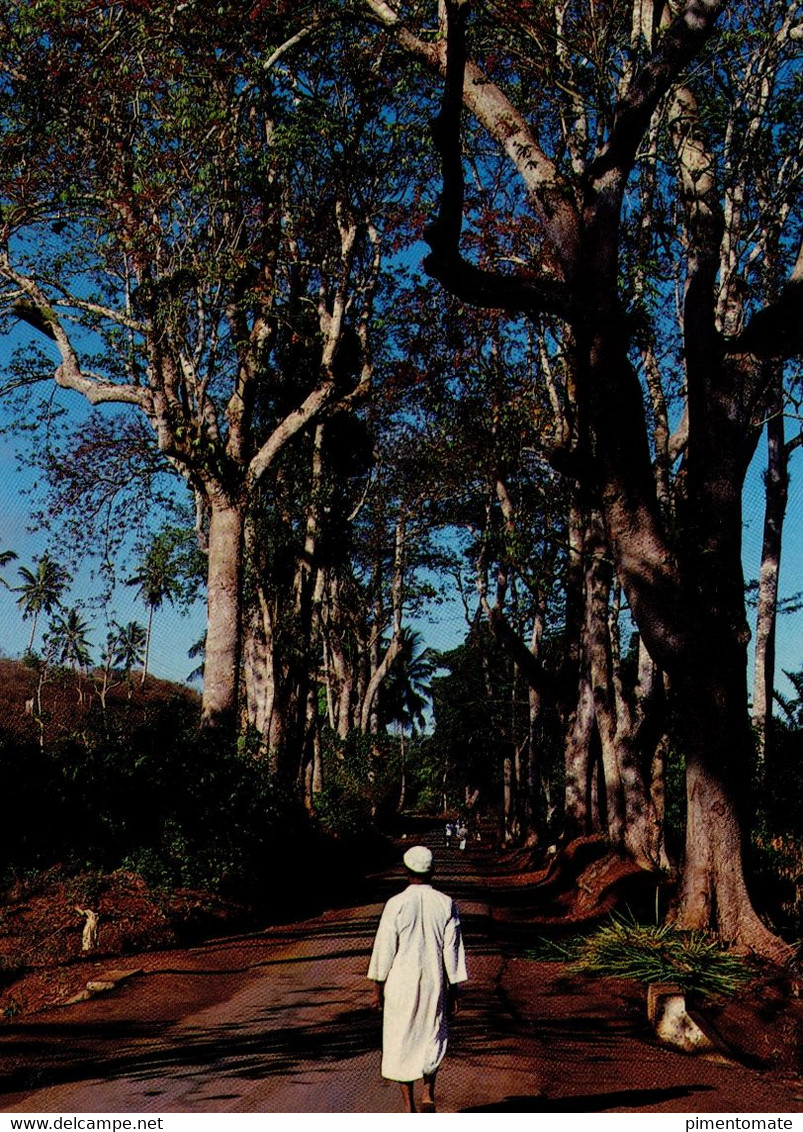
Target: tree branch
x: 679, y: 44
x: 777, y: 330
x: 549, y: 195
x: 292, y: 423
x: 445, y: 262
x: 36, y: 311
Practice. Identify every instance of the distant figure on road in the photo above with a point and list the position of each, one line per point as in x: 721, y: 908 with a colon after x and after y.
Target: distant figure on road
x: 448, y: 833
x: 462, y: 833
x: 417, y: 962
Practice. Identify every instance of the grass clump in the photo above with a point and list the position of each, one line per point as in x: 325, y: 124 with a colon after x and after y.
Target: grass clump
x: 646, y: 953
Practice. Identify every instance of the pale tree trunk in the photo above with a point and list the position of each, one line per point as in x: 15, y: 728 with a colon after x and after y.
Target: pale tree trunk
x: 368, y: 724
x: 534, y: 780
x: 146, y: 657
x: 598, y: 589
x: 640, y: 752
x: 653, y: 744
x: 343, y: 671
x: 29, y: 650
x: 312, y: 737
x: 403, y: 784
x: 255, y: 675
x: 776, y: 488
x: 260, y: 675
x: 509, y: 822
x: 257, y: 632
x: 309, y: 590
x: 328, y: 678
x: 577, y: 818
x: 312, y: 771
x: 512, y: 769
x: 579, y: 722
x: 221, y: 665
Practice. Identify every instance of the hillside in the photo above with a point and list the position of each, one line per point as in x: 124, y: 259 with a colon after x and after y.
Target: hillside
x: 73, y: 703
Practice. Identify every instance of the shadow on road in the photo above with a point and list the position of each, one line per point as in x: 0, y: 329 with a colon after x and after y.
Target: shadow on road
x: 259, y: 1051
x: 591, y: 1102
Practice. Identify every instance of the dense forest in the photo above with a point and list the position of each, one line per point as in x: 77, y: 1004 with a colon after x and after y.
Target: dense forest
x: 375, y: 305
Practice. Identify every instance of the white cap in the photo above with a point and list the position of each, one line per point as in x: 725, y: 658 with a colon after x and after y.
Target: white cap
x: 418, y: 859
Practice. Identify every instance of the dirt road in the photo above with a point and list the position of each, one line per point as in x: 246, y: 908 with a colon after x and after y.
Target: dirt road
x: 279, y: 1022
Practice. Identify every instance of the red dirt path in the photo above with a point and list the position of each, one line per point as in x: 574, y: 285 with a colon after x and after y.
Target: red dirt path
x: 279, y: 1022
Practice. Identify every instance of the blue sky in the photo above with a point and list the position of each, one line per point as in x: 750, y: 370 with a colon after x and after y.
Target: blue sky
x: 173, y: 632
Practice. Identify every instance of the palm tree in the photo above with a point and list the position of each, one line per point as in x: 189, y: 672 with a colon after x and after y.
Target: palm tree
x: 68, y: 640
x: 197, y: 650
x: 129, y: 645
x: 40, y: 591
x: 159, y: 578
x: 69, y: 636
x: 125, y: 647
x: 406, y: 693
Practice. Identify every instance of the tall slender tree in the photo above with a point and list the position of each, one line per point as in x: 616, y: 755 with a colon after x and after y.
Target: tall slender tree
x: 41, y: 591
x: 68, y: 634
x: 163, y: 575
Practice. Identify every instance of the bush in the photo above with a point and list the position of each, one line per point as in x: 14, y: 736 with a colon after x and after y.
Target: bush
x: 183, y: 808
x: 345, y: 808
x: 624, y: 949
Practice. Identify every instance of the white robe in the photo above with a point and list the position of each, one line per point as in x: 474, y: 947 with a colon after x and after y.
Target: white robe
x: 418, y: 950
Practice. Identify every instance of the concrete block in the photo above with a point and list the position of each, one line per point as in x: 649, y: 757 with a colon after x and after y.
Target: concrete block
x: 667, y: 1014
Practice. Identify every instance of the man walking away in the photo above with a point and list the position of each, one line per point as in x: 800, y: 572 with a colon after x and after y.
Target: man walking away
x: 417, y: 962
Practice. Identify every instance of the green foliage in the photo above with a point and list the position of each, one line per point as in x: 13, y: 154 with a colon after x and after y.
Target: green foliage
x: 775, y: 866
x: 624, y: 949
x: 180, y: 807
x: 346, y: 806
x: 170, y: 569
x: 472, y: 714
x: 40, y: 590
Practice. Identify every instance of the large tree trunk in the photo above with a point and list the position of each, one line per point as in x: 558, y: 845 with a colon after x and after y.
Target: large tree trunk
x: 224, y: 580
x: 598, y: 589
x: 776, y: 494
x: 716, y: 740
